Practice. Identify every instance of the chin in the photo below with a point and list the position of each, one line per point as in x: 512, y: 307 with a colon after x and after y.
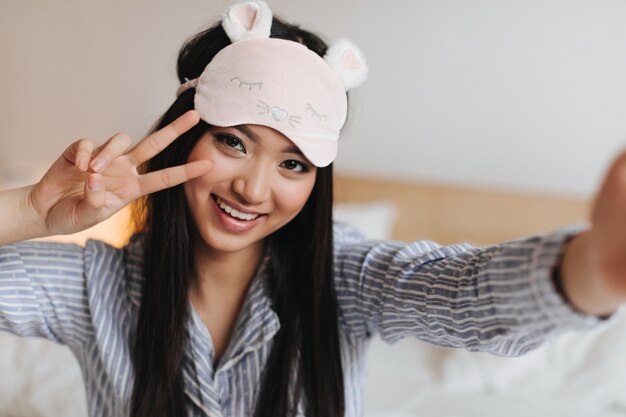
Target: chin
x: 217, y: 242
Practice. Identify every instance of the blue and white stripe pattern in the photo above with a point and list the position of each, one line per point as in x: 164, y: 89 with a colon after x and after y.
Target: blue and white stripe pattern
x: 498, y: 299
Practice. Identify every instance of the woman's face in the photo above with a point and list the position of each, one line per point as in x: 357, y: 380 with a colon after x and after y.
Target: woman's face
x: 259, y: 182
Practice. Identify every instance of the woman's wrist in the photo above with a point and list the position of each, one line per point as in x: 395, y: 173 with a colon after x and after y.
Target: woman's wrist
x: 581, y: 281
x: 20, y: 220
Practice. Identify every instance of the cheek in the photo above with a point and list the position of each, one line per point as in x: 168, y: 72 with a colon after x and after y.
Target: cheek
x: 196, y: 189
x: 201, y: 150
x: 293, y: 196
x: 193, y: 193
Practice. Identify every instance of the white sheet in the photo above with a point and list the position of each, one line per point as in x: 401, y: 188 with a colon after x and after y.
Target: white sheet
x: 580, y: 374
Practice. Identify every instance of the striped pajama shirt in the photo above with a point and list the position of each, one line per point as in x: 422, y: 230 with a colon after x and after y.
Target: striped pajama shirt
x: 499, y: 299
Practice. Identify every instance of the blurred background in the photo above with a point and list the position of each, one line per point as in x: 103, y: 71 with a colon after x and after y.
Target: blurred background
x: 517, y: 95
x: 501, y: 109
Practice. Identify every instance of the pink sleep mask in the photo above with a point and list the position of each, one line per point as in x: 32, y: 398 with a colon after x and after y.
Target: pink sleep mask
x: 278, y: 83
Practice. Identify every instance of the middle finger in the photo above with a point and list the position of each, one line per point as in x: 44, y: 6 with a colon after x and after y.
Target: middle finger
x: 113, y: 148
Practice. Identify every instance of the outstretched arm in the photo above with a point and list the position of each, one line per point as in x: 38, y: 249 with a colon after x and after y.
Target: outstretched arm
x: 498, y: 299
x: 501, y: 298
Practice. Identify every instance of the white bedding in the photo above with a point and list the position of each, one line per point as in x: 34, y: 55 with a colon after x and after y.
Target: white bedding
x: 579, y: 375
x: 39, y: 378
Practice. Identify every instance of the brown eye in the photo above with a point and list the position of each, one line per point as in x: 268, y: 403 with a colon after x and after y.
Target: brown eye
x: 295, y: 166
x: 231, y: 141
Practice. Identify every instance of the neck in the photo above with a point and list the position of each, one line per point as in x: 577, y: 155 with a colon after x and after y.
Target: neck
x: 225, y: 274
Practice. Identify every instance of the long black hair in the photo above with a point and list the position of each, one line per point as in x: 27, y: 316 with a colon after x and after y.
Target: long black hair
x: 305, y: 361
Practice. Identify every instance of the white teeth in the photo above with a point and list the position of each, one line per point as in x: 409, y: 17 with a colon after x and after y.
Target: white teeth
x: 233, y: 212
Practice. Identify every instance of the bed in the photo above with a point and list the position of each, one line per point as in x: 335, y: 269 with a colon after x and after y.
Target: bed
x: 579, y: 375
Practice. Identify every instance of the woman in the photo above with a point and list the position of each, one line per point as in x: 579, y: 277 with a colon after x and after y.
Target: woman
x: 235, y: 297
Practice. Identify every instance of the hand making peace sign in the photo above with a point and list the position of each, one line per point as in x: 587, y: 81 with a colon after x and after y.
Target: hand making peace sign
x: 86, y: 186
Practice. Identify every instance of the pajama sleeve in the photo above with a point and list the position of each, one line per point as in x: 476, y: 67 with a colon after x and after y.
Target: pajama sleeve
x: 499, y: 299
x: 43, y: 292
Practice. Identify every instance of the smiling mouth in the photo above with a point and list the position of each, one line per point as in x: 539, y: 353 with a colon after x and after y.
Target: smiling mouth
x: 233, y: 212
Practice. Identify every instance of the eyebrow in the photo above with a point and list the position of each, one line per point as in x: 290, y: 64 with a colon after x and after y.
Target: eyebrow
x: 255, y: 138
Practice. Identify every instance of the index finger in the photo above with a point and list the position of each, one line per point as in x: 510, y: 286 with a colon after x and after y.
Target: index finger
x: 159, y: 140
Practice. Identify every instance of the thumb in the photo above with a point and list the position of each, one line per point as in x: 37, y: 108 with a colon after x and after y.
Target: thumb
x: 90, y: 208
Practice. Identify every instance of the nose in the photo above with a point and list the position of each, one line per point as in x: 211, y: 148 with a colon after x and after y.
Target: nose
x: 252, y: 185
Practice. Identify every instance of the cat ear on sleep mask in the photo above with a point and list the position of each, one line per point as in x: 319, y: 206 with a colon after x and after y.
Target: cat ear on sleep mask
x: 253, y: 20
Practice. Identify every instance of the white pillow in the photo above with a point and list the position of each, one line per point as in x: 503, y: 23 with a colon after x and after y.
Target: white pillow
x: 39, y: 378
x: 375, y: 219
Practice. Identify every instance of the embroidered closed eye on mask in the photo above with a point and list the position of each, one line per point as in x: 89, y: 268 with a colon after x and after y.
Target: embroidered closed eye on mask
x: 278, y: 83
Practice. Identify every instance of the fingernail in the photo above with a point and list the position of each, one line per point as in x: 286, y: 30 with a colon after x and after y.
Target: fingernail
x: 81, y: 164
x: 98, y: 164
x: 94, y: 183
